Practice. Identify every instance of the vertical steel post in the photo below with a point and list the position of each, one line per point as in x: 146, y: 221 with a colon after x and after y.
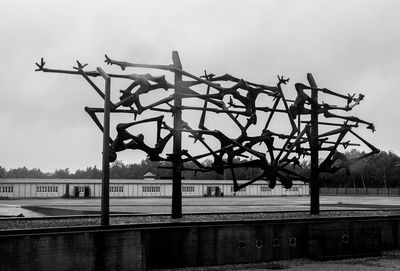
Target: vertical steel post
x: 177, y: 142
x: 314, y: 183
x: 105, y: 196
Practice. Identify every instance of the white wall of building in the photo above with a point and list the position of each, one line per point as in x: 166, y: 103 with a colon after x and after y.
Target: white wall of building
x: 45, y: 188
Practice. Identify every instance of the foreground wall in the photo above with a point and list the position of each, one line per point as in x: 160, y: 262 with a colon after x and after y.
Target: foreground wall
x: 187, y: 244
x: 88, y: 250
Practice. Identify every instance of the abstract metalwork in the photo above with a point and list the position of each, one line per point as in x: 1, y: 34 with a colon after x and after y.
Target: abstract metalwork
x: 252, y: 108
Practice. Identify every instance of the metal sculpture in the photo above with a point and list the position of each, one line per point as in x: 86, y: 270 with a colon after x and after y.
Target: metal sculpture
x: 275, y: 154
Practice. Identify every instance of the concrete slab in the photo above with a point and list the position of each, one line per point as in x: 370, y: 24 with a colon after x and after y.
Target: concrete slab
x: 200, y: 205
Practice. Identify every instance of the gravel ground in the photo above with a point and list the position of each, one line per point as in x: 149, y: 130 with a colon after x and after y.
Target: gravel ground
x: 389, y: 261
x: 49, y: 222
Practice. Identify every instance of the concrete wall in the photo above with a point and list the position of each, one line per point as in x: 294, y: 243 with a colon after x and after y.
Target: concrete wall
x: 184, y: 244
x: 352, y: 238
x: 99, y: 250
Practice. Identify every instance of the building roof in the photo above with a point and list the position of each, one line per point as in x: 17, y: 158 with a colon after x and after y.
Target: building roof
x: 149, y: 175
x: 122, y: 181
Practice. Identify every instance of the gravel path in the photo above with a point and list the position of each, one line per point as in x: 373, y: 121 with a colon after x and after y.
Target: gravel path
x: 389, y: 261
x: 50, y: 222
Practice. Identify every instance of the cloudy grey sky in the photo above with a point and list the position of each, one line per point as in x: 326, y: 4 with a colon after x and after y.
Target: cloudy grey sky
x: 349, y: 46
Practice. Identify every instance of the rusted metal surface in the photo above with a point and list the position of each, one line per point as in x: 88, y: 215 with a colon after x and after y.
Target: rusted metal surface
x: 105, y: 199
x: 314, y: 187
x: 267, y: 154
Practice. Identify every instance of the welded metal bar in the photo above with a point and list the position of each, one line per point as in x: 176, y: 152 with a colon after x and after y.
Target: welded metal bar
x: 177, y: 142
x: 105, y: 197
x: 332, y: 124
x: 314, y: 185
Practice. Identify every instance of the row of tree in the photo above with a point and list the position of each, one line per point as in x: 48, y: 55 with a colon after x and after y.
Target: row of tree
x: 381, y: 170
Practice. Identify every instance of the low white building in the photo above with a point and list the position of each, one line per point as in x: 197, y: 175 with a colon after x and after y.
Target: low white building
x: 53, y: 188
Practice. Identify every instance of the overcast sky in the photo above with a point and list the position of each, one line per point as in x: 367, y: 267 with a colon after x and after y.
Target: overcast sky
x: 349, y: 46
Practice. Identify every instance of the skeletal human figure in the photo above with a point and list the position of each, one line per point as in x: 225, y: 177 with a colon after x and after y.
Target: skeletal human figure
x: 128, y: 98
x: 339, y: 160
x: 302, y: 98
x: 236, y: 147
x: 298, y: 106
x: 248, y: 101
x: 93, y: 110
x: 370, y: 125
x: 348, y: 107
x: 270, y: 173
x: 336, y: 160
x: 125, y: 140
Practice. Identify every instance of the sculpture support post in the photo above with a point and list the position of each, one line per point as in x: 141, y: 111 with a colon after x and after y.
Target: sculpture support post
x: 314, y: 185
x: 177, y: 142
x: 105, y: 197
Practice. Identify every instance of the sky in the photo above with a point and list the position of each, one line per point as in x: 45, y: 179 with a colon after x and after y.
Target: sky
x: 350, y: 46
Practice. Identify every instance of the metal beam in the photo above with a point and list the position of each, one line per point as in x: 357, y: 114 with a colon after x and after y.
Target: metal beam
x: 105, y: 197
x: 177, y: 141
x: 314, y: 183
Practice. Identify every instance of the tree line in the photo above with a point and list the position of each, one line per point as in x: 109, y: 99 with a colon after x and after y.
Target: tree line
x: 381, y: 170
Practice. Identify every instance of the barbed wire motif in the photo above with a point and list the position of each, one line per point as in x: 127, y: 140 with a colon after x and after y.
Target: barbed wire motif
x: 275, y: 155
